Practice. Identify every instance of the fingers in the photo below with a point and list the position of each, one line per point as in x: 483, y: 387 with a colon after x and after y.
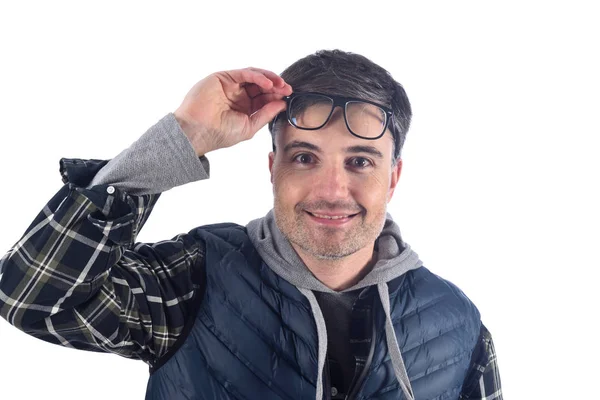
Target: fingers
x: 265, y: 114
x: 265, y: 81
x: 253, y: 90
x: 276, y: 79
x: 260, y: 101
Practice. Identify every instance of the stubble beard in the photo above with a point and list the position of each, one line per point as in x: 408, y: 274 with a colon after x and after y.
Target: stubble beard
x: 326, y: 243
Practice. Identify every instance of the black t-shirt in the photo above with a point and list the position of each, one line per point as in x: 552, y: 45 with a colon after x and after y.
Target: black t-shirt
x: 337, y: 312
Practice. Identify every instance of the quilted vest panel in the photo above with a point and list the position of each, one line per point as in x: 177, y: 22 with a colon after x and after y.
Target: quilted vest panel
x: 254, y: 337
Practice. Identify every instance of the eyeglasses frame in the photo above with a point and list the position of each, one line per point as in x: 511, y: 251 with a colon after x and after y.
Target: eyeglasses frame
x: 338, y: 101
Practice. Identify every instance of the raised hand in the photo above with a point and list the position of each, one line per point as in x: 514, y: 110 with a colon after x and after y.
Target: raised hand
x: 228, y: 107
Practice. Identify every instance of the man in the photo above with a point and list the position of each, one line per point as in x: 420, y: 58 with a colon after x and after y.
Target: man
x: 321, y: 298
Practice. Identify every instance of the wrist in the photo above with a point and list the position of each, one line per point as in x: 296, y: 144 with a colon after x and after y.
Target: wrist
x: 193, y: 133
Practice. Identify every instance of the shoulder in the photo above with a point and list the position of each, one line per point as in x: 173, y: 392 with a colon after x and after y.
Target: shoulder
x: 222, y: 233
x: 226, y: 240
x: 427, y: 281
x: 422, y: 289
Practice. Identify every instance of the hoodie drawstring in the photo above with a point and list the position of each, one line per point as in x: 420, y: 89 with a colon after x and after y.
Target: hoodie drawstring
x: 321, y: 335
x: 392, y: 344
x: 390, y: 335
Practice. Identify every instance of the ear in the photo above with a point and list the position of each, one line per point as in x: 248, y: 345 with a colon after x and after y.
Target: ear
x: 397, y: 169
x: 271, y: 161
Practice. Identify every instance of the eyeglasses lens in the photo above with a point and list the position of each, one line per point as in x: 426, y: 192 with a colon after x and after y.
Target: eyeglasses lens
x: 364, y: 119
x: 310, y: 111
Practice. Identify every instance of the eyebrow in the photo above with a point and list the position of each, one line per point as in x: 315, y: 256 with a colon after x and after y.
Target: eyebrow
x: 365, y: 149
x: 297, y: 144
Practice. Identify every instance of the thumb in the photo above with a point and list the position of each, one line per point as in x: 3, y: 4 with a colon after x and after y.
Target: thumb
x: 265, y: 114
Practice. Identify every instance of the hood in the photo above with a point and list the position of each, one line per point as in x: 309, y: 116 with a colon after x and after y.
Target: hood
x: 394, y: 256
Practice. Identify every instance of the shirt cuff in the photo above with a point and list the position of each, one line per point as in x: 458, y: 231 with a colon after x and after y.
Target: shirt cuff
x: 118, y: 214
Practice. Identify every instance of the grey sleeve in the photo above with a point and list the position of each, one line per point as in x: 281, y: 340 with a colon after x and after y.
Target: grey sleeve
x: 161, y: 159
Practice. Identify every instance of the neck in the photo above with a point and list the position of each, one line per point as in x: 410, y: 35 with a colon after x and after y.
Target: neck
x: 342, y: 273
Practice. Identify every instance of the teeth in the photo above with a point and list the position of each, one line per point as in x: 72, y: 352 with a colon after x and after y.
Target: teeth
x: 330, y: 217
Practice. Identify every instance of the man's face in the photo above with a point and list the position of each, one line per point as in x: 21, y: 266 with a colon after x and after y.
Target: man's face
x: 331, y: 188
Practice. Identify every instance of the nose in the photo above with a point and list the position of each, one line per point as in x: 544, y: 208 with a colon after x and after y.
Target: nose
x: 331, y: 183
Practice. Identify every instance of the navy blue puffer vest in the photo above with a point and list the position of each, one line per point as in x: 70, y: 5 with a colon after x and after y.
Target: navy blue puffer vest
x: 253, y: 335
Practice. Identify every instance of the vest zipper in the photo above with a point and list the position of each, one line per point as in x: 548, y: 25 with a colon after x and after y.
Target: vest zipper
x: 357, y: 384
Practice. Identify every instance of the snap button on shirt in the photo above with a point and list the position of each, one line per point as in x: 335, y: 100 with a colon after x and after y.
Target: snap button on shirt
x: 110, y: 189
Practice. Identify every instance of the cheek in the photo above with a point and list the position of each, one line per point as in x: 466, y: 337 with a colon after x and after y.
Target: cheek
x: 289, y: 186
x: 371, y: 190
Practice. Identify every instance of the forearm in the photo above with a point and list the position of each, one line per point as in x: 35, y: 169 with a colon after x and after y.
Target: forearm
x: 161, y: 159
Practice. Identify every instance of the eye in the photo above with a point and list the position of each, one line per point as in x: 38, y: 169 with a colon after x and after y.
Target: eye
x: 304, y: 158
x: 360, y: 162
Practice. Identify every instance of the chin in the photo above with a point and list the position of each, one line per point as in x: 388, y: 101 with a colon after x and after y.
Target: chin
x: 327, y: 253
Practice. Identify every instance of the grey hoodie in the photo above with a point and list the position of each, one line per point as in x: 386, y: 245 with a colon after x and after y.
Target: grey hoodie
x: 163, y: 158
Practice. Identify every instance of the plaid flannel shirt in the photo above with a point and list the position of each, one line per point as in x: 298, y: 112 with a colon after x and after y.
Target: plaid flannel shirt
x: 78, y: 278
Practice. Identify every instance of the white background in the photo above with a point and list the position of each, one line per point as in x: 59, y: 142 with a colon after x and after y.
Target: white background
x: 499, y: 191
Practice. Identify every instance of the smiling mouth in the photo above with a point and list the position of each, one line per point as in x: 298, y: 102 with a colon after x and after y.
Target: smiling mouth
x: 331, y: 216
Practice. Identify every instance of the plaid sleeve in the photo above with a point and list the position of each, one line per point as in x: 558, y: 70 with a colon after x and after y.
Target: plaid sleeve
x: 483, y: 381
x: 78, y: 278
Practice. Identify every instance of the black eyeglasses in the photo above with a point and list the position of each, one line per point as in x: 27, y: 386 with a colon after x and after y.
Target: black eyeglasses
x: 311, y: 111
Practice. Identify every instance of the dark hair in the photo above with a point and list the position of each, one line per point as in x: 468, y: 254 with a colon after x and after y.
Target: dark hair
x: 349, y: 74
